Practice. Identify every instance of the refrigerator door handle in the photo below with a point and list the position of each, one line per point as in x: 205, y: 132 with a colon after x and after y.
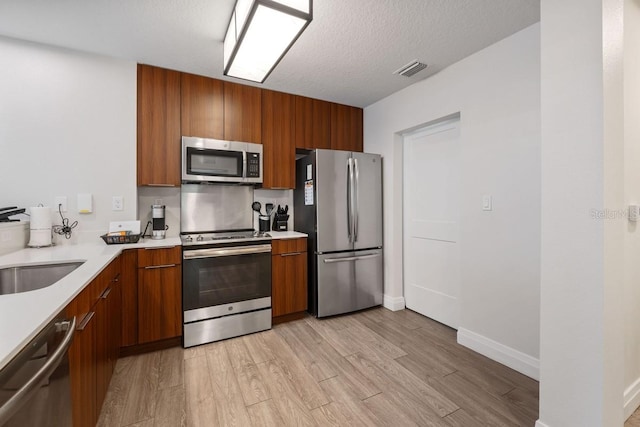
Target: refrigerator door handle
x: 351, y: 258
x: 349, y: 199
x: 356, y: 202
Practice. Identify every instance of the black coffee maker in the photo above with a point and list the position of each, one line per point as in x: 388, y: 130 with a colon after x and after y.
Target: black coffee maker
x: 280, y: 219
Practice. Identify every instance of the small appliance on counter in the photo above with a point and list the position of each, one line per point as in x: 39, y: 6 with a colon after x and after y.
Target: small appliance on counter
x: 281, y: 218
x: 159, y: 228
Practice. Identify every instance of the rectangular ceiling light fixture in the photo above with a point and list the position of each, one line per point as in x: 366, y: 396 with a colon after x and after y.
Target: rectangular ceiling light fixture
x: 260, y: 33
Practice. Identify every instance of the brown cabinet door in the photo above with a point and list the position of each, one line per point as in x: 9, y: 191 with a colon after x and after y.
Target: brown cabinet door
x: 202, y: 107
x: 129, y: 293
x: 242, y: 113
x: 158, y: 126
x: 103, y: 374
x: 289, y: 277
x: 82, y: 371
x: 159, y: 303
x: 277, y: 137
x: 346, y: 128
x: 312, y: 127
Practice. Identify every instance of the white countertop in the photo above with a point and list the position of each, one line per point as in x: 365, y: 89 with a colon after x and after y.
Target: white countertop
x: 23, y: 315
x: 286, y: 234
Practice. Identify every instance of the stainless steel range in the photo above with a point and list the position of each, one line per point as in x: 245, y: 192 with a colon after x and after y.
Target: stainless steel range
x: 226, y: 269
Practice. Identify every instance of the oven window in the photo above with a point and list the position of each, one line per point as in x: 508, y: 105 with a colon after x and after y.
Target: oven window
x: 214, y: 162
x: 222, y: 280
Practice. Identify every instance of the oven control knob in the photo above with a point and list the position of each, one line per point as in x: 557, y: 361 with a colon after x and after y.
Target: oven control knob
x: 188, y: 239
x: 200, y: 238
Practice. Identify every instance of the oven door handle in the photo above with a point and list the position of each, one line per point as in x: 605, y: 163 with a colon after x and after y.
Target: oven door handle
x: 220, y: 252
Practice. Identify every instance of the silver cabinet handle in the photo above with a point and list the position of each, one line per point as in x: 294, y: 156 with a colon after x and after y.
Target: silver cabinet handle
x: 220, y: 252
x: 106, y: 293
x: 160, y: 185
x: 158, y: 247
x: 25, y: 392
x: 291, y: 254
x: 151, y: 267
x: 116, y: 279
x: 351, y: 258
x: 85, y: 320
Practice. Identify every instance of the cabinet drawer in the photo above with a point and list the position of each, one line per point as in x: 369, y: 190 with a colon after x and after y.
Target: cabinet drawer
x: 285, y: 246
x: 159, y: 256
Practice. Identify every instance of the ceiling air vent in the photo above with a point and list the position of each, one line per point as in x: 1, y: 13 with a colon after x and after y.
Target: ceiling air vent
x: 411, y: 68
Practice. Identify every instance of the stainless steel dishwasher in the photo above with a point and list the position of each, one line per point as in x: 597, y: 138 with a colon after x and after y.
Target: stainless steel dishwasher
x: 34, y: 385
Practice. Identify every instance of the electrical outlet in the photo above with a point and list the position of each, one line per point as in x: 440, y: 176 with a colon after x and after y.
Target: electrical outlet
x: 117, y: 203
x: 487, y: 203
x: 60, y: 200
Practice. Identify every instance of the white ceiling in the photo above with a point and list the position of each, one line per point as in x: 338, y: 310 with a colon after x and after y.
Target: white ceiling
x: 347, y: 54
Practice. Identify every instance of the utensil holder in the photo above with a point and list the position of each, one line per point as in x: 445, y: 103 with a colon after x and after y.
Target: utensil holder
x: 263, y: 223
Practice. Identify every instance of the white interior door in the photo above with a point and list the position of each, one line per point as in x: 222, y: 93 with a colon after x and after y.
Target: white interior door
x: 431, y: 220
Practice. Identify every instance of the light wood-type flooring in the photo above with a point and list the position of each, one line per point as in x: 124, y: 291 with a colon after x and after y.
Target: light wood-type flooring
x: 375, y: 367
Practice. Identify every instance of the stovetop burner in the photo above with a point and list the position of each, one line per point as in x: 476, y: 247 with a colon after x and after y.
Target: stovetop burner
x: 223, y: 237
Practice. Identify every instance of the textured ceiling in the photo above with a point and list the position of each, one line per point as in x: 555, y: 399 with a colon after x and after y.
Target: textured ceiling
x: 347, y: 54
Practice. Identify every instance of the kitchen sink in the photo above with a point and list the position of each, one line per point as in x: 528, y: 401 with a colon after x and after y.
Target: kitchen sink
x: 26, y: 278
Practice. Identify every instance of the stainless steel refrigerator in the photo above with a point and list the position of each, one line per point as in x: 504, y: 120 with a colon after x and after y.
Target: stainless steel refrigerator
x: 338, y: 203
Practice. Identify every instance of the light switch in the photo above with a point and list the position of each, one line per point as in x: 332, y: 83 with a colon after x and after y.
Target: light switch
x: 487, y: 203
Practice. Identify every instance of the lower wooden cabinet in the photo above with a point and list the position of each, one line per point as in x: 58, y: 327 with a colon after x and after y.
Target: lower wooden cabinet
x: 159, y: 303
x: 288, y: 277
x: 94, y: 350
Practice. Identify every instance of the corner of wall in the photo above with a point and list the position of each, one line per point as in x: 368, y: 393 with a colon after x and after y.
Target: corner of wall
x: 393, y: 303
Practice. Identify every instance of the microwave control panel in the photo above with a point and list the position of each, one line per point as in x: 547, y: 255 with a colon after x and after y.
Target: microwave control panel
x: 253, y: 165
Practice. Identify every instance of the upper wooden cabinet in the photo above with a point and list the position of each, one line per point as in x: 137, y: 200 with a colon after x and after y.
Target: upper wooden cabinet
x: 158, y: 126
x: 312, y: 127
x: 242, y: 113
x: 202, y: 107
x: 346, y: 128
x: 279, y: 153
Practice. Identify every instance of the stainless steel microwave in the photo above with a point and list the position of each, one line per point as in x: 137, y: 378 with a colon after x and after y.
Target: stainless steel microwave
x: 214, y: 160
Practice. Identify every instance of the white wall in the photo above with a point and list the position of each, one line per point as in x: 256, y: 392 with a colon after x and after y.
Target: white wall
x: 583, y: 221
x: 497, y: 93
x: 632, y: 196
x: 67, y: 126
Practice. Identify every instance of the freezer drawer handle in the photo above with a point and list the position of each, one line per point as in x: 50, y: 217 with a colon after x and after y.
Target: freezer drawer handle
x: 351, y: 258
x: 18, y: 399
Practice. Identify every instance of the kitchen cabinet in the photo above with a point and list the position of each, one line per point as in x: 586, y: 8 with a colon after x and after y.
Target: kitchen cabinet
x: 288, y: 278
x: 279, y: 153
x: 94, y: 349
x: 202, y: 107
x: 346, y: 128
x: 242, y: 113
x: 129, y: 293
x: 312, y: 128
x: 158, y: 126
x: 159, y: 294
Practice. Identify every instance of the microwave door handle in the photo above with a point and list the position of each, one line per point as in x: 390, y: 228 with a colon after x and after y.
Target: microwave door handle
x: 244, y: 163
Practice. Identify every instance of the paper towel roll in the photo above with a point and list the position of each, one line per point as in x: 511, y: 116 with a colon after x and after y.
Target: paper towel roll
x: 40, y: 218
x: 40, y: 226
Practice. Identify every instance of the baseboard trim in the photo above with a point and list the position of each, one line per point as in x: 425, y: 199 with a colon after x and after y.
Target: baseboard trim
x: 540, y: 424
x: 508, y: 356
x: 631, y: 398
x: 393, y: 303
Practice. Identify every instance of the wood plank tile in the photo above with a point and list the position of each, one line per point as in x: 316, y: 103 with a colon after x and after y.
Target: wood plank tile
x: 249, y: 378
x: 290, y: 406
x: 116, y: 398
x: 141, y: 399
x: 306, y: 351
x: 171, y: 368
x: 345, y: 405
x: 171, y: 407
x: 230, y: 408
x: 265, y: 414
x: 388, y: 412
x: 460, y: 418
x: 258, y: 348
x: 200, y: 405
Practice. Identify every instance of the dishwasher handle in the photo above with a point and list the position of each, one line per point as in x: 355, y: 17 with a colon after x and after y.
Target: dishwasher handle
x: 25, y: 392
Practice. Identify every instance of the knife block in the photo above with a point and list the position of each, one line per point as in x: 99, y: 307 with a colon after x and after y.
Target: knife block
x: 280, y: 222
